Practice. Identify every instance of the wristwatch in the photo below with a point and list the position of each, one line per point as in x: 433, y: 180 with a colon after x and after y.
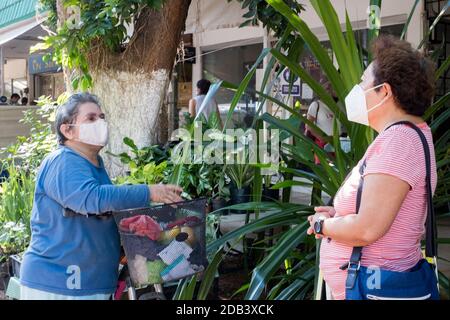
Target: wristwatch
x: 318, y: 225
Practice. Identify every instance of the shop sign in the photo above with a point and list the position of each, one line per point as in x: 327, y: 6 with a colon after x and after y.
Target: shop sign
x: 36, y: 64
x: 288, y: 88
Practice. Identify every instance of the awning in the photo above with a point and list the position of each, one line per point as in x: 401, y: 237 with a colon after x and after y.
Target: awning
x: 18, y: 30
x: 18, y: 17
x: 207, y: 15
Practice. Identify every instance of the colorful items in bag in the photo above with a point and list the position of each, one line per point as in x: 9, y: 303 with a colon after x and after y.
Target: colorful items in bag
x: 191, y: 221
x: 168, y: 235
x: 190, y: 235
x: 154, y: 271
x: 141, y: 225
x: 174, y: 250
x: 178, y: 269
x: 139, y: 269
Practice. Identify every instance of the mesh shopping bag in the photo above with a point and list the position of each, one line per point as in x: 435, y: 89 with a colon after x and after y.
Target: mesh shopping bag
x: 165, y: 242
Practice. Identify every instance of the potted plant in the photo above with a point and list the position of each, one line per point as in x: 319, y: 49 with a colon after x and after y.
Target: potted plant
x: 269, y: 194
x: 4, y: 270
x: 14, y: 239
x: 240, y: 171
x: 241, y: 175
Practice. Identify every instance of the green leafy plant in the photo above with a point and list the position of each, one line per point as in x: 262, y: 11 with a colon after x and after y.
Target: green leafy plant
x: 221, y: 189
x: 22, y: 160
x: 240, y: 174
x: 238, y: 167
x: 144, y: 155
x: 14, y: 238
x: 147, y: 165
x: 150, y: 173
x: 16, y: 196
x: 195, y: 179
x: 100, y: 22
x: 261, y: 12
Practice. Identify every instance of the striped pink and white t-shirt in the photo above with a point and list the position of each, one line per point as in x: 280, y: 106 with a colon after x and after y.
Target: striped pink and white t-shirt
x: 398, y: 152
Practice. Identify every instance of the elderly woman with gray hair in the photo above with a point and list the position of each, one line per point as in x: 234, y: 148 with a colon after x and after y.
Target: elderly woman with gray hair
x: 75, y: 248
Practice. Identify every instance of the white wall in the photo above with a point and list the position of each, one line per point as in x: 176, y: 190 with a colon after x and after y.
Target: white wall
x: 15, y: 69
x: 10, y: 127
x: 392, y: 12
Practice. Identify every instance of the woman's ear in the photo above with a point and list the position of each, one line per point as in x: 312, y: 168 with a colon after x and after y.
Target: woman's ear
x: 66, y: 131
x: 387, y: 89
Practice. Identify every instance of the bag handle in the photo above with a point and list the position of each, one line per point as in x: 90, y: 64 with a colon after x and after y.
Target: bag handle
x: 431, y: 244
x: 431, y: 230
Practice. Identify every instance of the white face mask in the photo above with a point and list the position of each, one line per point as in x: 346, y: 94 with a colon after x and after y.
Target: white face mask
x: 356, y: 106
x: 94, y: 133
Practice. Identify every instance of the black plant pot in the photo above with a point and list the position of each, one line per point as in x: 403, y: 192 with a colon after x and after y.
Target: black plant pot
x: 4, y: 275
x: 219, y: 203
x: 239, y: 196
x: 270, y: 194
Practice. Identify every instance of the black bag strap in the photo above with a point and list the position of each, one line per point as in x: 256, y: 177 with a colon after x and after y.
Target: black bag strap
x: 317, y: 111
x: 431, y: 232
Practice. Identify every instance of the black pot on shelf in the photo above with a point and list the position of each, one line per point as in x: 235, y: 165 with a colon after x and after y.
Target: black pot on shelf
x: 239, y: 196
x: 4, y: 275
x: 219, y: 203
x: 270, y: 194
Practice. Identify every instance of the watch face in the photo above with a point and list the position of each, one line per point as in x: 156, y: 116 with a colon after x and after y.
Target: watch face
x: 317, y: 227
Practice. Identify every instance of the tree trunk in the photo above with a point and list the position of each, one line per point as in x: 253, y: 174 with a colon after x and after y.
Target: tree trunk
x: 131, y: 102
x: 132, y: 84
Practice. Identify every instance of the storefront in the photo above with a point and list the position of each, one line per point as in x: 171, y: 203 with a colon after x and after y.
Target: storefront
x: 232, y: 64
x: 22, y: 73
x: 47, y: 76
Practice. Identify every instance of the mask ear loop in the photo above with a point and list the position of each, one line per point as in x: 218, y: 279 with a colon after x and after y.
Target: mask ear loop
x: 74, y: 125
x: 381, y: 102
x: 373, y: 88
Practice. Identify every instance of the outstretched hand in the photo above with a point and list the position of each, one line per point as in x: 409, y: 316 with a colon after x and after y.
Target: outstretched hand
x: 165, y: 193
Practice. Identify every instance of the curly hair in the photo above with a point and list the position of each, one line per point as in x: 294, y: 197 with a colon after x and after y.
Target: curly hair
x: 409, y: 73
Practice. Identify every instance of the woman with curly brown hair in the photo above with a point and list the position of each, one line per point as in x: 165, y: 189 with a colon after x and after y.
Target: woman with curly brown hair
x: 372, y: 234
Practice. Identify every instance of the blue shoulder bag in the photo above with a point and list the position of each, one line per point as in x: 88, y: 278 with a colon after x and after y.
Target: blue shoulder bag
x: 418, y: 283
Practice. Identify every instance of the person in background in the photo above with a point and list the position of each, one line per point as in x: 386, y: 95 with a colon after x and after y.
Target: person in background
x: 14, y: 100
x: 3, y: 101
x: 24, y: 101
x: 75, y: 247
x: 196, y: 102
x: 321, y: 116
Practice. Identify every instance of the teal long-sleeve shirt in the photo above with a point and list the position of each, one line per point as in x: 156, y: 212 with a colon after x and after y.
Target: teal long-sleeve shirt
x: 76, y: 254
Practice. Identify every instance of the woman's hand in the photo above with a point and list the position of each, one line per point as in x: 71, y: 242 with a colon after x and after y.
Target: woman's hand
x: 329, y: 211
x: 326, y: 212
x: 165, y: 193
